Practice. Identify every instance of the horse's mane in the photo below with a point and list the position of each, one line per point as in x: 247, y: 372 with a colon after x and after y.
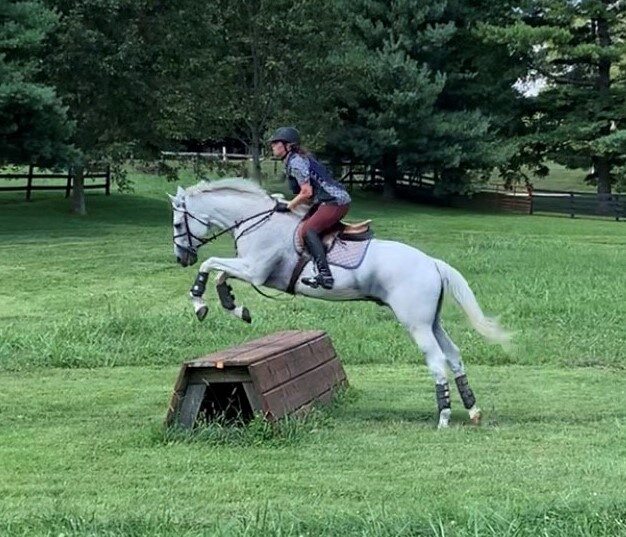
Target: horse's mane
x: 242, y: 186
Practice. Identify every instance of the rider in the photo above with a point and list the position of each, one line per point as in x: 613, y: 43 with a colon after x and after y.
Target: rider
x: 310, y: 181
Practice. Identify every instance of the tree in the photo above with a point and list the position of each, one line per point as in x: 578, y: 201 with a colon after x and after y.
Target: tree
x: 417, y: 111
x: 271, y: 65
x: 117, y: 66
x: 479, y: 101
x: 33, y: 124
x: 577, y: 50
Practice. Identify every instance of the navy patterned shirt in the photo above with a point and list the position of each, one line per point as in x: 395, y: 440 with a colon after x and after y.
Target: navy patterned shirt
x: 301, y: 170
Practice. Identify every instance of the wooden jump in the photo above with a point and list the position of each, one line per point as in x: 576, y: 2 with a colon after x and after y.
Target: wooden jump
x: 275, y: 376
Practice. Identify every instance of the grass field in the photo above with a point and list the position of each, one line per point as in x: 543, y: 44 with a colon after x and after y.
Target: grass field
x: 94, y: 322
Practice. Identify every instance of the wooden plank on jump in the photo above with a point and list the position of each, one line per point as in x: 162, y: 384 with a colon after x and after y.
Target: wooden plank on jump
x: 287, y: 341
x: 253, y: 397
x: 191, y: 404
x: 177, y: 395
x: 209, y: 375
x: 303, y: 389
x: 257, y: 349
x: 276, y: 370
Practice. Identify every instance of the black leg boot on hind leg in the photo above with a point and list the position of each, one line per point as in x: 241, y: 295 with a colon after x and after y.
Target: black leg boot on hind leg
x: 316, y: 248
x: 469, y: 401
x: 443, y: 405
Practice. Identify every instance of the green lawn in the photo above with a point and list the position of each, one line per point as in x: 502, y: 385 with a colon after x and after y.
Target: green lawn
x: 95, y: 320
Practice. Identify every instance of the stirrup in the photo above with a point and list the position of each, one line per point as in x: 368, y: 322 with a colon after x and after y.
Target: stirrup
x: 326, y: 281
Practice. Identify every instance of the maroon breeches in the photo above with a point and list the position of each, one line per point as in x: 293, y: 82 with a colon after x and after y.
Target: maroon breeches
x: 323, y: 218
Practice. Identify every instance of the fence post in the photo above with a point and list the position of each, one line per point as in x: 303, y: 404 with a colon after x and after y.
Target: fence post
x: 68, y: 185
x: 571, y: 205
x: 107, y: 181
x: 350, y: 177
x: 532, y: 200
x: 617, y: 207
x: 29, y: 182
x: 224, y: 158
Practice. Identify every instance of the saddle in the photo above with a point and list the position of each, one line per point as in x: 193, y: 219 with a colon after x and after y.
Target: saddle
x: 345, y: 244
x: 360, y: 231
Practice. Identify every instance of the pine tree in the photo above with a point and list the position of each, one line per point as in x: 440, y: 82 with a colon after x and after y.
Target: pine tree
x: 429, y: 94
x: 33, y: 125
x: 577, y: 52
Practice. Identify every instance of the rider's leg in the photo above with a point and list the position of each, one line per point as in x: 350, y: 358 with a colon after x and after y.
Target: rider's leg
x: 316, y: 249
x: 325, y: 217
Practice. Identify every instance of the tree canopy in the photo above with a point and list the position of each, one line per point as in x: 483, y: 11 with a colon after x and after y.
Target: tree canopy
x: 448, y: 88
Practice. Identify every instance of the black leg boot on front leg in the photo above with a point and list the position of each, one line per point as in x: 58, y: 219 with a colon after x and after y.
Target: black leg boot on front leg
x: 324, y: 278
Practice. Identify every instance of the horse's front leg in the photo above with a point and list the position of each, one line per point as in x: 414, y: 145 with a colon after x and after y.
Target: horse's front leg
x: 240, y: 268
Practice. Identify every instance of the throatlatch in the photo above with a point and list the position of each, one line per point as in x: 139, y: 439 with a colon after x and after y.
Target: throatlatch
x: 467, y: 395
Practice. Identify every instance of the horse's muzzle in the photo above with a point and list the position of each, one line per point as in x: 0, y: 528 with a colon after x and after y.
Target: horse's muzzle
x: 187, y: 260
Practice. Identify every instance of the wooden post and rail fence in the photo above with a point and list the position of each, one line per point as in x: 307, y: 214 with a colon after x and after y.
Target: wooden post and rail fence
x: 494, y: 197
x: 30, y: 179
x: 518, y: 199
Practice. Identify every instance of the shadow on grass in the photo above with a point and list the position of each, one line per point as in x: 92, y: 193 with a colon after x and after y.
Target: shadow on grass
x: 51, y: 216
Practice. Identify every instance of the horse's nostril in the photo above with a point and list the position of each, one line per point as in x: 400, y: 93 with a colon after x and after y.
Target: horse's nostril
x: 178, y: 260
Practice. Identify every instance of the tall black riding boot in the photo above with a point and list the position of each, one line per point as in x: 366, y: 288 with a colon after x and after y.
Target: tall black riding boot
x: 316, y: 249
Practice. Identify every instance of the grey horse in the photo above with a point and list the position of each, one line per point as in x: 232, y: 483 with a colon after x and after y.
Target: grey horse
x: 399, y: 276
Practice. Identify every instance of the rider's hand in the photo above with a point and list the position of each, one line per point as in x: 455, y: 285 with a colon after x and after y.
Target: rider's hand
x: 282, y: 207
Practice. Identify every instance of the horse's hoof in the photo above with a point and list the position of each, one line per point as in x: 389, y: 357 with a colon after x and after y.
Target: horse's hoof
x: 475, y: 415
x: 444, y: 418
x: 245, y: 315
x: 201, y: 313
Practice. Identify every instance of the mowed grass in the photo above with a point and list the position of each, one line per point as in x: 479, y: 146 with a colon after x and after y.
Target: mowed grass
x: 82, y: 448
x: 83, y: 452
x: 105, y: 290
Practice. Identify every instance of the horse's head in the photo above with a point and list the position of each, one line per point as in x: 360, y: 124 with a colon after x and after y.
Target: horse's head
x: 189, y: 229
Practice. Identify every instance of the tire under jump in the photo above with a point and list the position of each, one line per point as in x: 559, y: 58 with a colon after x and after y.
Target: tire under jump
x: 275, y: 376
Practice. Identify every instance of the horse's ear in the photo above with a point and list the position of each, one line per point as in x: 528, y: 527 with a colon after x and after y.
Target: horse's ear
x: 180, y: 193
x: 172, y: 198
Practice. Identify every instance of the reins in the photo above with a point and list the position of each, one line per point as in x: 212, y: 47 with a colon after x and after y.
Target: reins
x: 204, y: 240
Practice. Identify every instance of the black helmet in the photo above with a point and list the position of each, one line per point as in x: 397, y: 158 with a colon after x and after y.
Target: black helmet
x: 288, y: 135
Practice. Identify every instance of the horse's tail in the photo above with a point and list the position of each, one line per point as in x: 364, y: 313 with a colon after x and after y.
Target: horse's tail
x: 488, y: 327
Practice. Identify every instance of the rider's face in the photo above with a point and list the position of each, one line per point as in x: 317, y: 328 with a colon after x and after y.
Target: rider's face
x: 278, y: 149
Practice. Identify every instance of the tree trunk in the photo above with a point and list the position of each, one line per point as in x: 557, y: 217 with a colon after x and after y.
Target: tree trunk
x: 603, y: 174
x: 78, y: 191
x: 601, y: 163
x: 390, y: 175
x: 256, y: 158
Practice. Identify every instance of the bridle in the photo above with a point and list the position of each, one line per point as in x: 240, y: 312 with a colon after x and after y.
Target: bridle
x: 201, y: 241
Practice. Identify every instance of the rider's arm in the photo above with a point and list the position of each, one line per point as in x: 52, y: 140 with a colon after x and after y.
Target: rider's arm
x: 300, y: 169
x: 306, y: 191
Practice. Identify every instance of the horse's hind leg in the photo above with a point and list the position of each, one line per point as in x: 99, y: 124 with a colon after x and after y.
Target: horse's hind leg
x: 419, y: 322
x: 455, y: 363
x: 436, y: 361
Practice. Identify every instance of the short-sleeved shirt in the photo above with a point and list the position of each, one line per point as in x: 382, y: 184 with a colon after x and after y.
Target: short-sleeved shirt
x: 302, y: 169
